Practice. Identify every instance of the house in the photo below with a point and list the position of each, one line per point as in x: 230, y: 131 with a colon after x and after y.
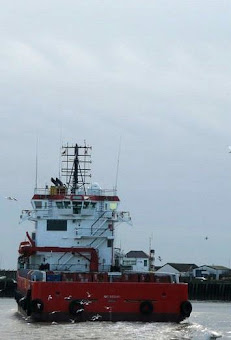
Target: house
x: 182, y: 269
x: 136, y: 260
x: 213, y: 271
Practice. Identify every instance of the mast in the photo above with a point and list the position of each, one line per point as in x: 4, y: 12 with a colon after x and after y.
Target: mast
x: 75, y: 166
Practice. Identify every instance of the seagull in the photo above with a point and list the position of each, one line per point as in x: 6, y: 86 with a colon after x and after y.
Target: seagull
x: 68, y: 297
x: 229, y: 149
x: 206, y: 238
x: 159, y: 258
x: 88, y: 294
x: 80, y: 310
x: 96, y: 317
x: 49, y: 297
x: 55, y: 311
x: 11, y: 198
x: 22, y: 299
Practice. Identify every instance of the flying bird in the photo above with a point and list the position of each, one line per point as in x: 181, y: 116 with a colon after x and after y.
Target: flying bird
x: 11, y: 198
x: 159, y: 258
x: 206, y: 238
x: 80, y: 310
x: 68, y: 297
x: 96, y: 317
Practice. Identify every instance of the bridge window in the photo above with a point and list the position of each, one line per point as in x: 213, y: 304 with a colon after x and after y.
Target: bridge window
x: 77, y: 207
x: 86, y: 205
x: 59, y: 205
x: 67, y: 204
x: 38, y: 204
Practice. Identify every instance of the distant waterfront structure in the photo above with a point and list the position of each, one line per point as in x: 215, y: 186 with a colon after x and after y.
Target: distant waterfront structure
x: 182, y: 269
x: 216, y: 272
x: 136, y: 260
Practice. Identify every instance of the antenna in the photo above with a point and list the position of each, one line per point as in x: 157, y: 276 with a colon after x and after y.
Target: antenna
x: 151, y: 254
x: 60, y: 151
x: 118, y: 163
x: 36, y: 164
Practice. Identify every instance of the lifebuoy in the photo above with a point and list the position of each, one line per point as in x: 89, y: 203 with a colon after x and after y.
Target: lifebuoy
x: 186, y: 308
x: 146, y: 307
x: 36, y: 306
x: 76, y: 307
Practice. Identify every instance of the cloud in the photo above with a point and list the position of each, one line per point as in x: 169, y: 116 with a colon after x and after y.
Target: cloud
x: 155, y: 73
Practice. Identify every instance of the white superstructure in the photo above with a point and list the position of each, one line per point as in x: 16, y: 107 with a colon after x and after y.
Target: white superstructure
x: 74, y: 222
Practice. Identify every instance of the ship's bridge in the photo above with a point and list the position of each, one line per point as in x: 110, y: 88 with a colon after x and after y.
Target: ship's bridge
x: 50, y: 203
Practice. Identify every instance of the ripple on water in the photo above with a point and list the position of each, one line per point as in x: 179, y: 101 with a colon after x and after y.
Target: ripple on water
x: 208, y: 321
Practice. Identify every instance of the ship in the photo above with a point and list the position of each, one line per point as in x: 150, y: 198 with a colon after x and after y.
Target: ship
x: 68, y: 267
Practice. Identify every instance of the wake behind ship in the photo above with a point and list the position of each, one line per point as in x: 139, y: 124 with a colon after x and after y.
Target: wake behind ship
x: 68, y: 268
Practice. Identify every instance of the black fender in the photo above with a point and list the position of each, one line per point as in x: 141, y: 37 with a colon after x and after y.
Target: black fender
x: 76, y: 307
x: 17, y: 296
x: 186, y: 308
x: 146, y: 307
x: 36, y: 306
x: 22, y: 302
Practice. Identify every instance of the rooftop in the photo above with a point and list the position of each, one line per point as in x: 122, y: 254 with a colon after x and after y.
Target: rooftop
x: 216, y: 267
x: 183, y: 267
x: 137, y: 254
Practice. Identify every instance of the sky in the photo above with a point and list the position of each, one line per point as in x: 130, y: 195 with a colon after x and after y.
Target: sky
x: 153, y: 76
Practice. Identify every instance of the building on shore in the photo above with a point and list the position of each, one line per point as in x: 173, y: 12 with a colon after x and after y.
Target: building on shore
x: 181, y: 269
x: 213, y: 272
x: 136, y: 260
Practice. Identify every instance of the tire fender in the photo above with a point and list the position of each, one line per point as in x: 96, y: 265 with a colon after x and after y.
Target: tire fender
x: 36, y: 306
x: 76, y: 307
x: 186, y: 308
x: 146, y: 307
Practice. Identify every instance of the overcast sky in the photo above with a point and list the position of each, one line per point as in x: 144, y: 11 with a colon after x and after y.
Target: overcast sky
x: 155, y: 74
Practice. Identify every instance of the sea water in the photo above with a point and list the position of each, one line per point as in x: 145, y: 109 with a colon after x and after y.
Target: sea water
x: 209, y: 320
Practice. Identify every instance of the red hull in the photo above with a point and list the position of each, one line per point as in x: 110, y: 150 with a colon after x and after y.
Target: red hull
x: 104, y: 301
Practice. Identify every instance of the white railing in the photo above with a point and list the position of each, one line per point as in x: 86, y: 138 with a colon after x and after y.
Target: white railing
x: 41, y: 191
